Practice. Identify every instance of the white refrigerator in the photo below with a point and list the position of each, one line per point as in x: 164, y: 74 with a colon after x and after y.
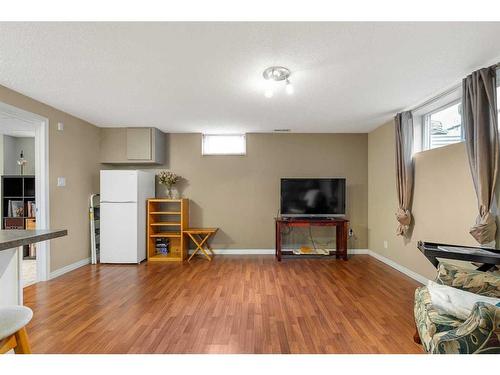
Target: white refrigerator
x: 123, y: 214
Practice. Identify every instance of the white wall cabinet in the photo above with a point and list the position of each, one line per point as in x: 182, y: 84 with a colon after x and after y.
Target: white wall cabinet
x: 132, y: 146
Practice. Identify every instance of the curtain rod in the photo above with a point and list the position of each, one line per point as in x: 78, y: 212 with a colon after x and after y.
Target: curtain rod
x: 434, y: 98
x: 439, y: 96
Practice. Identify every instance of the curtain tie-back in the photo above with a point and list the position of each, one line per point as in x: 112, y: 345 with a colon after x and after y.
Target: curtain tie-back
x: 404, y: 219
x: 484, y: 231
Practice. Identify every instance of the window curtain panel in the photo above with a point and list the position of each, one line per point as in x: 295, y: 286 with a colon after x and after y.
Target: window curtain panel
x: 479, y: 114
x: 404, y: 170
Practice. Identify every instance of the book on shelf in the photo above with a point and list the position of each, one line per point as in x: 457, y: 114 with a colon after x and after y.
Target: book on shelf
x: 161, y: 246
x: 15, y: 208
x: 31, y: 209
x: 13, y: 223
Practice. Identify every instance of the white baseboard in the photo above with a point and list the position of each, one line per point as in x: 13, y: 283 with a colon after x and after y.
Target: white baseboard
x: 240, y: 251
x: 415, y: 276
x: 268, y: 251
x: 68, y: 268
x: 349, y: 251
x: 358, y: 251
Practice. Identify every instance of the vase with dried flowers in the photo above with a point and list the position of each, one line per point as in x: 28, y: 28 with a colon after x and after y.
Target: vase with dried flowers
x: 169, y: 179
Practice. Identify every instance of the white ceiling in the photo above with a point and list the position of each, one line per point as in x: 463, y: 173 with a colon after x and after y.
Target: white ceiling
x: 16, y: 127
x: 207, y: 77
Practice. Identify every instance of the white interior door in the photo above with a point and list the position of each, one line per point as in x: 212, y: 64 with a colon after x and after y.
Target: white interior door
x: 119, y: 233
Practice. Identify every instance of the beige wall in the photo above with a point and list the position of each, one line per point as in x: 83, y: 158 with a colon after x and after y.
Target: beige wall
x: 240, y: 194
x: 444, y: 203
x: 12, y: 147
x: 73, y: 153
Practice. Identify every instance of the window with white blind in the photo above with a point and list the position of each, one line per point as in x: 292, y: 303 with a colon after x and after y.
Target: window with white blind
x: 223, y: 144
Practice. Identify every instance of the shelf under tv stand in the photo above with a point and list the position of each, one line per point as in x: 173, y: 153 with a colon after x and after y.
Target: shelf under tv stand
x: 341, y: 225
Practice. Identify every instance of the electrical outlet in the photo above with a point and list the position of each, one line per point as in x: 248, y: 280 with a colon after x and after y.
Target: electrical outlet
x: 386, y: 244
x: 60, y: 126
x: 61, y: 181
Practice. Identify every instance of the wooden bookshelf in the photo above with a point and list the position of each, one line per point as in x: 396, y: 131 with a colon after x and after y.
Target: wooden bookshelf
x: 19, y: 189
x: 167, y: 219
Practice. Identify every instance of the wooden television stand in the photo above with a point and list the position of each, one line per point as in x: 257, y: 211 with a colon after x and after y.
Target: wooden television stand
x: 342, y: 227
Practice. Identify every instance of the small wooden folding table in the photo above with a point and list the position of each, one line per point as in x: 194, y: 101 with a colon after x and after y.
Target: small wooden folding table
x: 200, y: 237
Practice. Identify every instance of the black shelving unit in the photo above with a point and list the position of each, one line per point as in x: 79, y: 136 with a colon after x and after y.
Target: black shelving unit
x: 18, y: 188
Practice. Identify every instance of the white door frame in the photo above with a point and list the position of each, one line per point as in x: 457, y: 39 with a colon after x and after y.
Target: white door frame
x: 41, y: 181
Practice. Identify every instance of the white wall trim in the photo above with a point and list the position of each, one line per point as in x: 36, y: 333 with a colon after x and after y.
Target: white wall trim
x: 69, y: 267
x: 241, y: 251
x: 41, y: 126
x: 269, y: 251
x: 358, y: 251
x: 415, y: 276
x: 42, y: 196
x: 349, y: 251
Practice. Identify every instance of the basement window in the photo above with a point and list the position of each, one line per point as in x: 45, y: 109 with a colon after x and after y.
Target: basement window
x: 438, y: 122
x: 223, y: 144
x: 443, y: 126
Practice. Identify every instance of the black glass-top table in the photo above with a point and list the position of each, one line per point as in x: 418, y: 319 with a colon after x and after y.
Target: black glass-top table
x: 489, y: 258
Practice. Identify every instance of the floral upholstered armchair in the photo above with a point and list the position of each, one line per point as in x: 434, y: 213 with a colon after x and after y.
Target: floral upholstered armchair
x: 479, y: 333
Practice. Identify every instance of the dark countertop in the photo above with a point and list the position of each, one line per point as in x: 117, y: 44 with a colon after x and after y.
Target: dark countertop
x: 10, y: 238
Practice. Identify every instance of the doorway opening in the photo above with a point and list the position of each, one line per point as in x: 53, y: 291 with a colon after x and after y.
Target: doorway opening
x: 24, y: 200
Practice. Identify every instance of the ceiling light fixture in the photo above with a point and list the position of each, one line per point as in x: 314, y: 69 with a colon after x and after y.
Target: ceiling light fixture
x: 275, y: 74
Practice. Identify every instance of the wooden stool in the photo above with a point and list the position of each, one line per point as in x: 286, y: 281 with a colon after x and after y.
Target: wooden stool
x: 200, y: 237
x: 13, y: 320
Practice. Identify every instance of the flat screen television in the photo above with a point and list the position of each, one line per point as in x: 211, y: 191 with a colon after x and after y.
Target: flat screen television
x: 313, y: 197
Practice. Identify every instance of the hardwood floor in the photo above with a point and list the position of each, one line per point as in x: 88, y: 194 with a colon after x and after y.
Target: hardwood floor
x: 234, y: 304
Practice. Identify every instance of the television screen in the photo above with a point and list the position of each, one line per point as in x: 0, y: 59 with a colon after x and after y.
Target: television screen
x: 313, y: 197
